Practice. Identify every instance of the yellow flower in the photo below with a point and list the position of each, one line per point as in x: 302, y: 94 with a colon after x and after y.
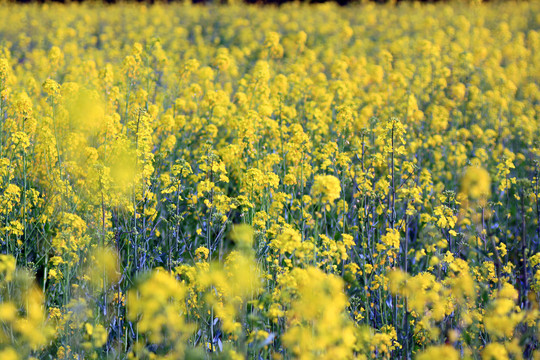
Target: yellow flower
x: 327, y: 188
x: 476, y: 183
x: 494, y: 351
x: 7, y: 266
x: 439, y: 352
x: 321, y: 303
x: 9, y: 353
x: 242, y: 235
x: 202, y: 253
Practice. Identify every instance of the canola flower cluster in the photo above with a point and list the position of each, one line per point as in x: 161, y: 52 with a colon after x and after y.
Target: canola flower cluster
x: 243, y: 182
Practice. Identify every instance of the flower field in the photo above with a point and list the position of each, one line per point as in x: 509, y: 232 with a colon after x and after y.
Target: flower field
x: 246, y: 182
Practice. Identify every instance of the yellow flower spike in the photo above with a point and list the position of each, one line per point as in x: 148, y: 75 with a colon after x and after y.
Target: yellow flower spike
x: 476, y: 183
x: 7, y: 267
x: 494, y: 351
x: 9, y: 353
x: 242, y: 235
x: 51, y: 88
x: 327, y: 188
x: 159, y: 308
x: 103, y: 269
x: 315, y: 289
x: 439, y: 352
